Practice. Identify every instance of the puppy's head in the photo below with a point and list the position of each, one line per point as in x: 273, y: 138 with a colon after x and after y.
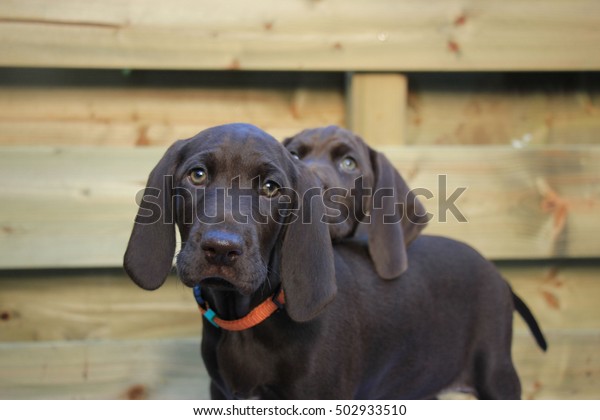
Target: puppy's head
x: 338, y: 159
x: 362, y: 187
x: 236, y: 196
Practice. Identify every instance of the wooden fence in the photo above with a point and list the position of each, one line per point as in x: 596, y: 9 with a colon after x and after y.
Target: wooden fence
x: 91, y: 93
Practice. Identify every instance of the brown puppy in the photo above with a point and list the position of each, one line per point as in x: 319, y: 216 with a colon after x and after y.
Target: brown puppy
x: 366, y: 192
x: 338, y: 157
x: 341, y: 332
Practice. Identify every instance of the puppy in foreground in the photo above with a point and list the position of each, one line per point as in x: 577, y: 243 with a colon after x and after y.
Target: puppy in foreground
x: 289, y: 315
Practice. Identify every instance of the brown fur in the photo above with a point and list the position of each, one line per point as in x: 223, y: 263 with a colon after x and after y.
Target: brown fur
x: 343, y: 332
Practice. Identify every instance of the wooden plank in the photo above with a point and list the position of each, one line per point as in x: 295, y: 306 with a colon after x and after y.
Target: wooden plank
x: 454, y: 111
x: 502, y: 110
x: 377, y: 107
x: 385, y: 35
x: 173, y: 369
x: 74, y: 207
x: 563, y: 296
x: 114, y: 369
x: 449, y: 110
x: 569, y: 370
x: 44, y: 305
x: 80, y: 215
x: 88, y: 305
x: 515, y: 203
x: 74, y: 116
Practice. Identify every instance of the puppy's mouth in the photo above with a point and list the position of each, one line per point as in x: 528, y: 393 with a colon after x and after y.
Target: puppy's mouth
x: 218, y: 283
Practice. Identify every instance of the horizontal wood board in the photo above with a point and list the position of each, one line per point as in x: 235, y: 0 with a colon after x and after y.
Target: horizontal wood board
x: 158, y: 115
x: 172, y: 369
x: 303, y: 35
x: 65, y: 305
x: 76, y: 205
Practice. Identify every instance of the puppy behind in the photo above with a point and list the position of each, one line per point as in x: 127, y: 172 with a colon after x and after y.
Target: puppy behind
x: 373, y: 189
x: 338, y: 158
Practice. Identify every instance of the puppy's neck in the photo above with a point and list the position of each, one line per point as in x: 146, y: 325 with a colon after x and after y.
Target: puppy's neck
x: 232, y: 305
x: 228, y: 305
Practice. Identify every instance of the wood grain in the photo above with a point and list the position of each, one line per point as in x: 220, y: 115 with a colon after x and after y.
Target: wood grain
x: 42, y: 305
x: 342, y: 35
x: 562, y: 295
x: 485, y: 111
x: 92, y: 305
x: 76, y: 206
x: 154, y: 116
x: 516, y: 203
x: 146, y: 108
x: 93, y: 334
x: 172, y: 369
x: 117, y: 369
x: 569, y: 370
x: 377, y: 107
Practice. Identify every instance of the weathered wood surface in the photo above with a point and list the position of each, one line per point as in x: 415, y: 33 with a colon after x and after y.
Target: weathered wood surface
x: 91, y: 334
x: 75, y: 107
x: 569, y: 370
x: 115, y: 369
x: 69, y: 207
x: 303, y: 35
x: 563, y: 296
x: 377, y: 107
x: 517, y: 203
x: 43, y: 305
x: 108, y: 116
x: 173, y: 369
x: 92, y: 304
x: 503, y: 109
x: 74, y: 207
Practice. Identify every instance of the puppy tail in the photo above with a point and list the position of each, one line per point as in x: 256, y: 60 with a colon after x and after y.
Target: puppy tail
x: 530, y: 320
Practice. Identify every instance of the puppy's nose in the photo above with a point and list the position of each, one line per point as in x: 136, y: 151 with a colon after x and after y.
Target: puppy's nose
x: 221, y: 247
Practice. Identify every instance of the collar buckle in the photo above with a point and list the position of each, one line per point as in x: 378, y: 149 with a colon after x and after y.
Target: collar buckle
x: 275, y: 298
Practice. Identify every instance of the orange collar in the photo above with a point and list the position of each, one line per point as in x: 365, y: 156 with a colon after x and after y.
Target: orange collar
x: 254, y: 317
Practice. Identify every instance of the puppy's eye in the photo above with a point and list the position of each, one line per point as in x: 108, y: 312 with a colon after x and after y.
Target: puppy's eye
x: 295, y: 155
x: 270, y: 189
x: 348, y: 164
x: 197, y: 176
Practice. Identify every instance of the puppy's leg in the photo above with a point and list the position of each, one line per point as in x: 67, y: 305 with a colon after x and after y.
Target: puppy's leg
x: 495, y: 374
x: 498, y: 380
x: 215, y: 392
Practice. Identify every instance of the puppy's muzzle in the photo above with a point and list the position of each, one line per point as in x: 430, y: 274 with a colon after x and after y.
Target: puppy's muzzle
x: 221, y: 247
x: 324, y: 173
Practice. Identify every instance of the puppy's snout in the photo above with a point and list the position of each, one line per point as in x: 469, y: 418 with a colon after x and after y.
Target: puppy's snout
x: 322, y: 172
x: 221, y: 247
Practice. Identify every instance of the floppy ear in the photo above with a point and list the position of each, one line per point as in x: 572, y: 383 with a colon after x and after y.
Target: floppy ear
x: 307, y: 262
x: 397, y: 218
x: 149, y: 255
